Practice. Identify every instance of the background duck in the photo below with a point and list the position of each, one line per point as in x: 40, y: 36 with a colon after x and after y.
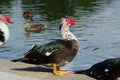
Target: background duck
x: 106, y: 70
x: 28, y: 15
x: 56, y: 53
x: 34, y: 28
x: 4, y: 30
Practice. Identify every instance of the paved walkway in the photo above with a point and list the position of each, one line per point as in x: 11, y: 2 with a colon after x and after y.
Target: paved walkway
x: 21, y: 71
x: 9, y: 76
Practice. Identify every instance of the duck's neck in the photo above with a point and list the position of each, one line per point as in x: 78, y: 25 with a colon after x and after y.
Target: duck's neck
x: 66, y: 34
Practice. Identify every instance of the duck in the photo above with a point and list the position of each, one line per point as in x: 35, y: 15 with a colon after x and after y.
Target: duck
x: 4, y: 30
x: 108, y: 69
x: 56, y: 53
x: 28, y: 15
x: 34, y: 27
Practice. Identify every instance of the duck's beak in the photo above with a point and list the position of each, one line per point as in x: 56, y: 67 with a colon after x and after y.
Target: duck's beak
x: 76, y: 24
x: 11, y: 22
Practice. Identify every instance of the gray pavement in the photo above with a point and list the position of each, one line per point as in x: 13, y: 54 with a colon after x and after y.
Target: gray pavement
x: 21, y: 71
x: 9, y: 76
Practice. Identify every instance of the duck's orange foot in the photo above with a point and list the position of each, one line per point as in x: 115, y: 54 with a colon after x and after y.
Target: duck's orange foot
x: 60, y: 72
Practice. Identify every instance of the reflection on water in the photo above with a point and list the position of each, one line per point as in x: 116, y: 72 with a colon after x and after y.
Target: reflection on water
x: 98, y: 35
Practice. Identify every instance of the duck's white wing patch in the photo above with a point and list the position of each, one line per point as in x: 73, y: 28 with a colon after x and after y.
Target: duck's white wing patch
x: 49, y: 53
x: 107, y: 70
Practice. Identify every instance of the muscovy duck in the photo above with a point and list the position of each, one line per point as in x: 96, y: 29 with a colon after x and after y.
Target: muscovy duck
x: 34, y: 28
x: 4, y: 30
x: 28, y: 15
x: 56, y: 53
x: 106, y: 70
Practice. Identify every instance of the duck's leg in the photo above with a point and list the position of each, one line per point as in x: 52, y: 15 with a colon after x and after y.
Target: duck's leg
x: 59, y: 72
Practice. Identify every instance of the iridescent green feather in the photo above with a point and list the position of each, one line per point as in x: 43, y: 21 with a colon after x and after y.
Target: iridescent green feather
x: 42, y: 49
x: 49, y: 47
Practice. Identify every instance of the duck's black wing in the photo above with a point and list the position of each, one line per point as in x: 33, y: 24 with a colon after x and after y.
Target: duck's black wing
x: 2, y: 38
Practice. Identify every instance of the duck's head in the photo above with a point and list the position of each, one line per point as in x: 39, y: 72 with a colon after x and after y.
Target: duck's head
x: 28, y: 14
x: 5, y: 19
x: 67, y: 22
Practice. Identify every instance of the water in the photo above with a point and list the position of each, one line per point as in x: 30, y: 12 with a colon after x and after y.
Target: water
x: 98, y: 33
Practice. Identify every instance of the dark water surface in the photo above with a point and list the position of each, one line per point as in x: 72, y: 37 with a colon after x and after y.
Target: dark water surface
x: 98, y: 33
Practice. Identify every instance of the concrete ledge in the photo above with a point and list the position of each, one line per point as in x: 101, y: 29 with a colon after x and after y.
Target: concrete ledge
x: 21, y: 71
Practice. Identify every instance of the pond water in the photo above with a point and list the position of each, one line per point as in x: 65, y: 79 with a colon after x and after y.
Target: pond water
x: 98, y: 33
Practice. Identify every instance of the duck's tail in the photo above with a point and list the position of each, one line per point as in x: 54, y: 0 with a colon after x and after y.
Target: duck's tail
x: 16, y: 60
